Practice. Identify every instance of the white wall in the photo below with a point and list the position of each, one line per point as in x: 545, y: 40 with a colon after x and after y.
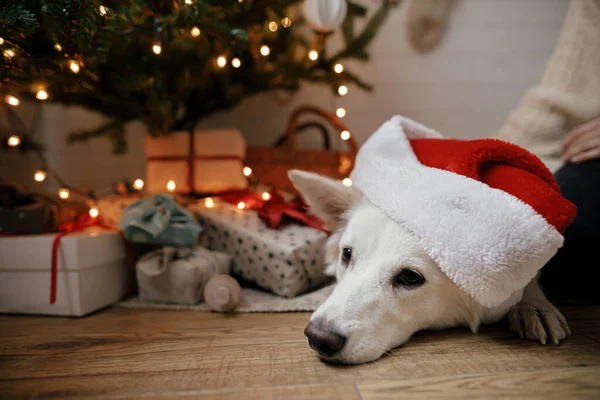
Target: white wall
x: 492, y: 53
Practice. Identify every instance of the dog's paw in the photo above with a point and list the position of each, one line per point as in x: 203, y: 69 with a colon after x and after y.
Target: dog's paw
x: 538, y: 321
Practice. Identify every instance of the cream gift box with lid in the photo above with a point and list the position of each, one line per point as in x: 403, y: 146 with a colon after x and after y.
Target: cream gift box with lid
x: 92, y: 273
x: 205, y: 161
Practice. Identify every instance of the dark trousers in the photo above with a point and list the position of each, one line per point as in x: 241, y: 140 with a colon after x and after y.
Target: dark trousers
x: 573, y: 274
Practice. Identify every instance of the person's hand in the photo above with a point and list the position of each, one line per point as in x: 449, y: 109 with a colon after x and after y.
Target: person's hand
x: 583, y: 142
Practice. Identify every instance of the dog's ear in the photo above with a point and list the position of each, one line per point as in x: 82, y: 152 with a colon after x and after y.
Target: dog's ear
x: 328, y: 199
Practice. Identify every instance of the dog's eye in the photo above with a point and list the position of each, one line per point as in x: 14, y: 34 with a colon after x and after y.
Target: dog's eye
x: 408, y: 278
x: 346, y: 255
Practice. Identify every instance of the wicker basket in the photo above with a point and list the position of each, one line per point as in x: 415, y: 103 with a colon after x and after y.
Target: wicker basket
x: 270, y: 165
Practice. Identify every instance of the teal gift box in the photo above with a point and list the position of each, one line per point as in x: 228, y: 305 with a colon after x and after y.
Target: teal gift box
x: 160, y: 220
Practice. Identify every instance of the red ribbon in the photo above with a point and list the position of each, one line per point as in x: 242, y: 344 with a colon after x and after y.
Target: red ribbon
x: 79, y: 225
x: 272, y: 211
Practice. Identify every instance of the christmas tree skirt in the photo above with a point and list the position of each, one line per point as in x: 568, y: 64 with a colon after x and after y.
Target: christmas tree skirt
x: 252, y: 301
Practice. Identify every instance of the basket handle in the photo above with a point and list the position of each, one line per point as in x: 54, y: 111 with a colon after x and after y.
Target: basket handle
x: 293, y: 123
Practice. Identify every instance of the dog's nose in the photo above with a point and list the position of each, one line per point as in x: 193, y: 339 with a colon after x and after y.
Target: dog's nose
x: 323, y: 339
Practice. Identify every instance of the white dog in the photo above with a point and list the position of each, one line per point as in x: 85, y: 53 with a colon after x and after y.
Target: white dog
x: 388, y: 287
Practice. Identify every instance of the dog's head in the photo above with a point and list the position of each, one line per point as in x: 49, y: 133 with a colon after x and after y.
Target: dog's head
x: 388, y: 287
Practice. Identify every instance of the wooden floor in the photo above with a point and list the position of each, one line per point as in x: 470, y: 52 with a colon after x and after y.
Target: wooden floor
x: 129, y: 354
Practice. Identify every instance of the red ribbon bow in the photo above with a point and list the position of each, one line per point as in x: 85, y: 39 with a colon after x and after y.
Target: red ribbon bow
x: 272, y: 211
x: 79, y: 225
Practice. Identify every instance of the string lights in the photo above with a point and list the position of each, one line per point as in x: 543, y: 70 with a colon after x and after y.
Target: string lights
x: 338, y: 68
x: 195, y: 31
x: 171, y: 186
x: 343, y: 90
x: 57, y: 47
x: 74, y: 66
x: 313, y: 55
x: 40, y: 175
x: 236, y: 63
x: 221, y: 61
x: 138, y: 184
x: 103, y: 10
x: 64, y: 193
x: 157, y: 48
x: 14, y: 141
x: 286, y: 22
x: 12, y: 100
x: 41, y: 95
x: 241, y: 205
x: 209, y: 202
x: 273, y: 26
x: 264, y: 50
x: 247, y: 171
x: 347, y: 182
x: 340, y: 112
x: 1, y: 41
x: 9, y: 53
x: 266, y: 196
x: 94, y: 211
x: 345, y: 135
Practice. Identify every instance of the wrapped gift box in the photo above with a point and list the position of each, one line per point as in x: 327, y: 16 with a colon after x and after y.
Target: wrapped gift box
x: 92, y: 273
x: 206, y: 162
x: 111, y: 207
x: 287, y: 261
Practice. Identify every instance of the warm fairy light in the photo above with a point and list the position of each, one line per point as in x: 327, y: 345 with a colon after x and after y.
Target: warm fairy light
x: 266, y: 196
x: 236, y: 63
x: 286, y: 22
x: 209, y: 202
x: 1, y: 40
x: 343, y: 90
x: 313, y: 55
x: 171, y: 186
x: 222, y: 61
x: 64, y: 193
x: 264, y: 50
x: 14, y: 141
x: 57, y: 47
x: 338, y: 68
x: 138, y: 184
x: 340, y: 112
x: 188, y: 2
x: 247, y: 171
x: 94, y: 212
x: 12, y: 100
x: 103, y: 10
x: 240, y: 1
x: 157, y: 49
x: 41, y: 95
x: 39, y: 175
x: 345, y: 135
x: 241, y: 205
x: 195, y: 31
x: 273, y: 26
x: 9, y: 53
x: 347, y: 182
x: 74, y: 66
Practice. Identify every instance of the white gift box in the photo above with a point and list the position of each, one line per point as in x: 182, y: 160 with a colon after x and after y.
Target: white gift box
x: 92, y: 273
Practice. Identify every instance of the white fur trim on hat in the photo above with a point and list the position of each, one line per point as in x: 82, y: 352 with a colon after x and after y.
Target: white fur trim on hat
x: 488, y: 242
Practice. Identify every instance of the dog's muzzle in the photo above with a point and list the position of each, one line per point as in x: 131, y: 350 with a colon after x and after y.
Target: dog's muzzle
x: 323, y: 339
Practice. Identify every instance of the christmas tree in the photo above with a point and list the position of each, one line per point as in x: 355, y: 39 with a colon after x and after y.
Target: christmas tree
x: 170, y: 63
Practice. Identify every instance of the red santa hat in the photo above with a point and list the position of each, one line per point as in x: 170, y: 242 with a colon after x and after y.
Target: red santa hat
x: 488, y: 212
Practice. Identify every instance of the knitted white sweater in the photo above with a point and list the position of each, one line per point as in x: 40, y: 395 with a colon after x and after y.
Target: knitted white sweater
x: 568, y: 93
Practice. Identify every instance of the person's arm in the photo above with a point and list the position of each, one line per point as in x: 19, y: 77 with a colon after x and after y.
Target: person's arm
x: 568, y: 93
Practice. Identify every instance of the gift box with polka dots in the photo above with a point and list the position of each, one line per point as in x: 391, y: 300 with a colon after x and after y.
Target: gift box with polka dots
x: 287, y: 261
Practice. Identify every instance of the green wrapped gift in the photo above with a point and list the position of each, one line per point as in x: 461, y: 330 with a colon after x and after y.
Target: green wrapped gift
x: 159, y: 219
